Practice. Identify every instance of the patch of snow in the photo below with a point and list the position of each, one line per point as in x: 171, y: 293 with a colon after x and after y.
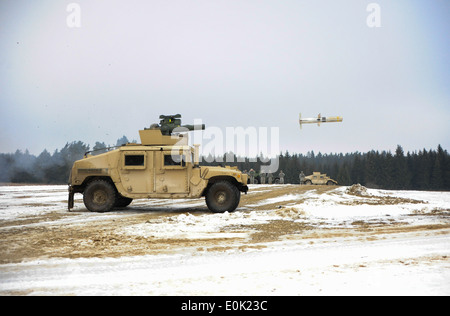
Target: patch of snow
x: 397, y: 265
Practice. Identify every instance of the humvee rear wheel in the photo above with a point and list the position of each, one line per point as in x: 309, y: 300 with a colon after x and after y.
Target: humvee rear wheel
x: 99, y: 196
x: 223, y: 197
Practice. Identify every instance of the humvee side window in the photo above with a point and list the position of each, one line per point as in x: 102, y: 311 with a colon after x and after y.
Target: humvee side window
x: 134, y: 160
x: 174, y: 160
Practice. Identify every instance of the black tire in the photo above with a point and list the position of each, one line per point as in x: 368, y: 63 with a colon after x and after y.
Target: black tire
x: 223, y: 197
x: 122, y: 201
x: 308, y: 182
x: 331, y: 183
x: 99, y: 196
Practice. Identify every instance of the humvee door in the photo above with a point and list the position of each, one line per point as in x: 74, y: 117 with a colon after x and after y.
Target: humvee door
x: 136, y: 171
x: 172, y: 175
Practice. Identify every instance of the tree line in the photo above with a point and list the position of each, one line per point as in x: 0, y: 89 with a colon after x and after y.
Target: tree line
x: 419, y: 170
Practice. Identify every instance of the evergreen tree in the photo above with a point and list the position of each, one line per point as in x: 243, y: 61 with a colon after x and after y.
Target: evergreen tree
x: 371, y: 169
x: 444, y: 162
x: 400, y: 174
x: 357, y: 170
x: 436, y: 181
x: 343, y: 177
x: 99, y: 148
x: 122, y: 141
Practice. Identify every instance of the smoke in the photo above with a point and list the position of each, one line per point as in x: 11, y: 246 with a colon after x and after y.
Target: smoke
x: 22, y: 167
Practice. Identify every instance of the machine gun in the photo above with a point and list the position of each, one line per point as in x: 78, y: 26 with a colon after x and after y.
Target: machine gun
x: 169, y: 123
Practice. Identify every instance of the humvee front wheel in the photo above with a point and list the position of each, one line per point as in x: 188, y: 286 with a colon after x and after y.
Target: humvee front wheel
x: 99, y: 196
x: 223, y: 197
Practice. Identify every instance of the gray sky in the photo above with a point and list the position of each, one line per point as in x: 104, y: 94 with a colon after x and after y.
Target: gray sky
x: 230, y: 63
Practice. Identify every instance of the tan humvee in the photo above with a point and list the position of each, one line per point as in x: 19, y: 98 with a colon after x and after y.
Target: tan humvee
x: 162, y: 166
x: 318, y: 178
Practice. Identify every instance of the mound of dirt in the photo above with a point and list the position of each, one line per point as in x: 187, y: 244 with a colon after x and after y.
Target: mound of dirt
x: 357, y: 189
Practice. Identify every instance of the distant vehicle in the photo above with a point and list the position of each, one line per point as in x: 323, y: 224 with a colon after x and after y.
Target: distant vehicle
x: 318, y: 178
x: 162, y: 166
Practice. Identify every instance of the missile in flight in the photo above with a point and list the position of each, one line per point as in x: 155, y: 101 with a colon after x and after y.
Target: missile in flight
x: 319, y: 119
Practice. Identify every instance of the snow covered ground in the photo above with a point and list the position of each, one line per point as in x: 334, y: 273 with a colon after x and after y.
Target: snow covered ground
x: 282, y: 240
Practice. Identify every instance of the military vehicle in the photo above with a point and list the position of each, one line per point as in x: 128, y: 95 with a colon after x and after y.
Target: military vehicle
x: 162, y: 166
x: 318, y: 178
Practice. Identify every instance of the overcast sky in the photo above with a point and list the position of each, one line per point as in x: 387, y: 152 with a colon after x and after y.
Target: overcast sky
x: 230, y: 63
